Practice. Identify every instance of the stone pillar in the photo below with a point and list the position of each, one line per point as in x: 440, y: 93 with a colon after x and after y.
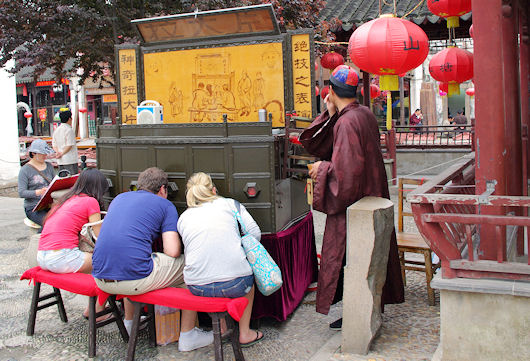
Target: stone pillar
x: 9, y: 148
x: 370, y: 222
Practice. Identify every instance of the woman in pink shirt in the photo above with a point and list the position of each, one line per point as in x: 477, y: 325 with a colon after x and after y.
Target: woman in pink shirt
x: 59, y: 241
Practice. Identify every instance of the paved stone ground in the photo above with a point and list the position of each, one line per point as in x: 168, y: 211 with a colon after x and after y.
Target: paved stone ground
x: 410, y: 330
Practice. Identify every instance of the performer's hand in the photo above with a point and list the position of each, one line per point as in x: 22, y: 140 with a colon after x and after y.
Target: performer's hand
x: 332, y: 109
x: 58, y: 155
x: 314, y: 170
x: 41, y: 191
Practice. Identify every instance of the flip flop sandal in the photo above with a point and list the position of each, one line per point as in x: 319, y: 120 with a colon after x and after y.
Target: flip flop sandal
x: 255, y: 341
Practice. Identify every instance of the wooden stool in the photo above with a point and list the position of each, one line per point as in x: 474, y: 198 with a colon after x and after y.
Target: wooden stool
x: 78, y: 283
x: 413, y: 243
x: 217, y: 307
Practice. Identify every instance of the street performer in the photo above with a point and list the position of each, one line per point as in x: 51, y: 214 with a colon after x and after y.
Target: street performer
x: 346, y: 139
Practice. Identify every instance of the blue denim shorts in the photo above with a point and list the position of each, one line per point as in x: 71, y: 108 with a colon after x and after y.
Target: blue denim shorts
x: 64, y: 260
x: 238, y: 287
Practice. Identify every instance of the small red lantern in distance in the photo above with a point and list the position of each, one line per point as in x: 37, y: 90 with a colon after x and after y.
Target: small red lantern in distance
x: 471, y: 30
x: 443, y: 87
x: 388, y: 46
x: 374, y: 91
x: 470, y: 91
x: 450, y: 9
x: 82, y: 110
x: 27, y: 115
x: 317, y: 91
x: 324, y: 92
x: 331, y: 60
x: 453, y: 66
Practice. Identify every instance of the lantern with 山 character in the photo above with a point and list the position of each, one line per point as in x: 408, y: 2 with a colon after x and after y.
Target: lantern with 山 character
x: 451, y: 10
x: 452, y: 66
x: 388, y: 46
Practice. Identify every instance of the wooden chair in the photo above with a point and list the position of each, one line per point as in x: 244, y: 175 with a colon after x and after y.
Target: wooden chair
x: 413, y: 243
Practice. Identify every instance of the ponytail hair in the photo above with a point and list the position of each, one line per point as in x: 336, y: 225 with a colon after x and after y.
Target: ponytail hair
x: 199, y: 190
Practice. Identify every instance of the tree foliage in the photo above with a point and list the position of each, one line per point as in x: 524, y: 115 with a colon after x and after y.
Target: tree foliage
x: 48, y: 33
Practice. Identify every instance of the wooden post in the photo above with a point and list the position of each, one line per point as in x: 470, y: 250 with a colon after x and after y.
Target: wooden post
x: 489, y: 112
x: 401, y: 101
x: 366, y: 89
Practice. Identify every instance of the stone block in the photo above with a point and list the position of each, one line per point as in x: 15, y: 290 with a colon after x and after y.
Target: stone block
x: 370, y: 222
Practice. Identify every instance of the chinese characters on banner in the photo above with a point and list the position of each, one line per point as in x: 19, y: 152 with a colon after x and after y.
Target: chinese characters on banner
x: 128, y: 85
x: 302, y: 94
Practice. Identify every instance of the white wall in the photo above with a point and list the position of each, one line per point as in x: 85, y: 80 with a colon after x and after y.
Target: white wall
x: 9, y: 149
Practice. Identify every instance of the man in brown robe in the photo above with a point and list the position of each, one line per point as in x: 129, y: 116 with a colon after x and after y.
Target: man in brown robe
x: 346, y: 138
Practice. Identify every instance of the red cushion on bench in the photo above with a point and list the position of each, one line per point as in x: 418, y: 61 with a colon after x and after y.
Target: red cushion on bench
x: 79, y: 283
x: 182, y: 298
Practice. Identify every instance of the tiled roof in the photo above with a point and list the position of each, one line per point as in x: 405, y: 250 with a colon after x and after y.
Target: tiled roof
x: 25, y: 75
x: 356, y: 12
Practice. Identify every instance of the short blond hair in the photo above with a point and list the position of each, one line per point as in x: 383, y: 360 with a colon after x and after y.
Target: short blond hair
x: 199, y: 190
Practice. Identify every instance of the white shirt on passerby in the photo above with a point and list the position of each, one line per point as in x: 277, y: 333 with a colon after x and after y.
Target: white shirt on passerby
x: 212, y: 242
x: 64, y: 136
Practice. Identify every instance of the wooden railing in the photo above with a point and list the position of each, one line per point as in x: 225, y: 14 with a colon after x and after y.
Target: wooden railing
x: 440, y: 136
x: 448, y: 215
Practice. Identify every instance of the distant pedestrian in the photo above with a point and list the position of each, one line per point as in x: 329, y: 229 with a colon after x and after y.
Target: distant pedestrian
x: 64, y: 143
x: 460, y: 120
x: 416, y: 119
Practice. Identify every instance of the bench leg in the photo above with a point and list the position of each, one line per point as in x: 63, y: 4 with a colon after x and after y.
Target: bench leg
x: 428, y: 275
x: 218, y: 346
x: 151, y: 325
x: 402, y: 264
x: 118, y: 316
x: 60, y: 304
x: 92, y: 326
x: 133, y: 337
x: 33, y: 309
x: 236, y: 345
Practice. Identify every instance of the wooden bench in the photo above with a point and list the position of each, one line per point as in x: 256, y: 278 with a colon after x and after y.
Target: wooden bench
x: 217, y: 308
x: 413, y: 243
x: 78, y: 283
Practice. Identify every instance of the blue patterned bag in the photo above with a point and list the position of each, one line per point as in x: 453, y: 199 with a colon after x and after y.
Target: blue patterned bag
x: 266, y: 272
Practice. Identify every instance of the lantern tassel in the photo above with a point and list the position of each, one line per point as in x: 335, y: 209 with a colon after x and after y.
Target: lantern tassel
x: 389, y: 82
x: 388, y: 109
x: 453, y: 22
x: 453, y: 89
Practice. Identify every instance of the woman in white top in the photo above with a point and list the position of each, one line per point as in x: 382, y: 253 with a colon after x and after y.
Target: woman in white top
x: 215, y: 263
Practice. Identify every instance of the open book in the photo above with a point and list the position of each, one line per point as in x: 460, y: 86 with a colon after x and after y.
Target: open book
x: 56, y: 184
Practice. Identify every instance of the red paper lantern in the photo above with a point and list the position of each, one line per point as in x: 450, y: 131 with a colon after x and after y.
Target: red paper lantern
x: 388, y: 46
x: 331, y: 60
x: 82, y: 110
x: 317, y: 91
x: 443, y: 87
x: 374, y: 91
x: 324, y: 92
x: 470, y: 91
x: 453, y: 66
x: 450, y: 9
x: 471, y: 30
x: 27, y: 115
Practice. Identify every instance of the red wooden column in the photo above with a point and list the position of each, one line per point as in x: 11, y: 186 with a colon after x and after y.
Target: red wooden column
x: 523, y: 73
x: 489, y: 111
x: 512, y: 96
